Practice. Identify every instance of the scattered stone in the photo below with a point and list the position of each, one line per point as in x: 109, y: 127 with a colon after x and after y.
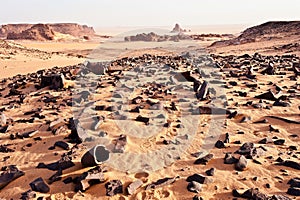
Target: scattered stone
x: 268, y: 96
x: 194, y: 187
x: 294, y: 191
x: 279, y: 142
x: 196, y: 197
x: 55, y: 81
x: 95, y: 156
x: 204, y: 160
x: 134, y: 186
x: 64, y: 163
x: 143, y: 119
x: 294, y: 182
x: 161, y: 182
x: 68, y: 180
x: 8, y: 174
x: 62, y: 145
x: 114, y: 187
x: 241, y: 165
x: 89, y: 178
x: 120, y: 144
x: 220, y: 144
x: 210, y: 172
x: 291, y: 164
x: 203, y: 91
x: 39, y: 185
x: 28, y: 195
x: 4, y: 149
x: 230, y: 159
x: 197, y: 178
x: 56, y: 176
x: 3, y: 119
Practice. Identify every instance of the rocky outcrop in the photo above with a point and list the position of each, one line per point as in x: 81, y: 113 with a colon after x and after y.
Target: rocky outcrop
x: 36, y: 32
x: 153, y: 37
x: 177, y: 29
x: 264, y: 32
x: 29, y: 31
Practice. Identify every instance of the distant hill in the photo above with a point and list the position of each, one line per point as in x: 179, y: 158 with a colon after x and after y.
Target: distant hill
x: 45, y: 31
x: 264, y: 32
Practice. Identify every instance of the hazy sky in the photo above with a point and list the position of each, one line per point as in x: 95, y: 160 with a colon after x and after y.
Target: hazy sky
x: 103, y: 13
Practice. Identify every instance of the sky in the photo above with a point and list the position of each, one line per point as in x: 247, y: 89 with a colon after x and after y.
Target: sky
x: 123, y: 13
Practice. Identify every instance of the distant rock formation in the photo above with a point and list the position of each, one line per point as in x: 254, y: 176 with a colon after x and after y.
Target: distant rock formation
x: 177, y: 29
x: 36, y: 32
x: 264, y: 32
x: 153, y: 37
x: 17, y: 31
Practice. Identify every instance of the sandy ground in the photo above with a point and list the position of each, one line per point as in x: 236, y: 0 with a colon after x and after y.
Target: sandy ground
x: 223, y: 182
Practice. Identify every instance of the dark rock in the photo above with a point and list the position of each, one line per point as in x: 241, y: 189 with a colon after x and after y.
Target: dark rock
x: 68, y: 180
x: 89, y: 178
x: 245, y: 119
x: 220, y: 144
x: 95, y: 156
x: 142, y: 119
x: 205, y: 110
x: 203, y: 91
x: 204, y: 160
x: 8, y: 174
x: 230, y: 159
x: 268, y: 96
x: 161, y: 182
x: 114, y: 187
x: 232, y: 115
x: 197, y: 178
x: 4, y: 149
x: 55, y: 81
x: 3, y: 129
x: 28, y: 195
x: 291, y: 164
x: 226, y: 140
x: 281, y: 104
x: 64, y: 163
x: 254, y: 194
x: 137, y: 100
x: 210, y: 172
x: 39, y: 185
x: 55, y: 177
x: 294, y: 182
x: 279, y: 141
x: 62, y: 145
x: 272, y: 129
x: 196, y: 197
x: 248, y: 150
x: 294, y: 191
x: 194, y: 187
x: 135, y: 110
x: 279, y: 197
x: 241, y: 165
x: 265, y: 141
